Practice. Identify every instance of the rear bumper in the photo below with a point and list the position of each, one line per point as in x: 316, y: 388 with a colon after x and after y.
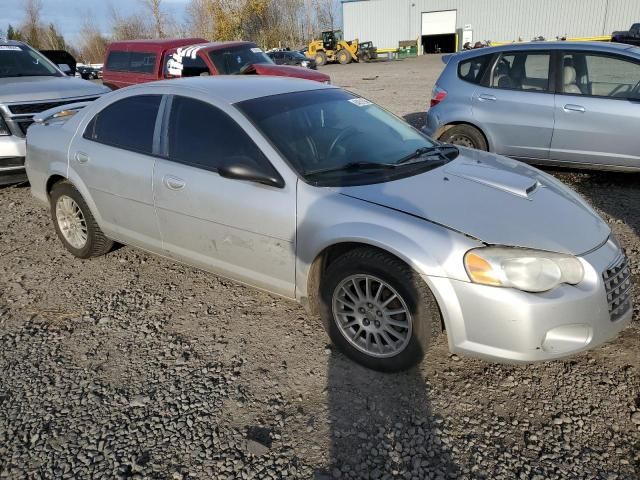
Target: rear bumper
x: 432, y: 126
x: 508, y: 325
x: 12, y: 153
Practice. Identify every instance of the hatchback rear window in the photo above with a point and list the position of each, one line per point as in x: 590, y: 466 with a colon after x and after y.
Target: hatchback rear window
x: 138, y: 62
x: 472, y: 70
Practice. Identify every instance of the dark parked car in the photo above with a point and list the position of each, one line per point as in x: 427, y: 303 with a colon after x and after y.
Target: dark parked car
x: 632, y: 36
x: 90, y: 73
x: 286, y: 57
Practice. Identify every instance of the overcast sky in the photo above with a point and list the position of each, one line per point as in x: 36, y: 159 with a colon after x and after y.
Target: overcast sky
x: 68, y: 15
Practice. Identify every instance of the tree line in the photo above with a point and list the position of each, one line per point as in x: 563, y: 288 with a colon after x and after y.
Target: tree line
x: 269, y: 23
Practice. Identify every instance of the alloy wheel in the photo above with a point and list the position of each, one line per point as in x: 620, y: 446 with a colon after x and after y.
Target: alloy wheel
x: 71, y: 222
x: 372, y: 315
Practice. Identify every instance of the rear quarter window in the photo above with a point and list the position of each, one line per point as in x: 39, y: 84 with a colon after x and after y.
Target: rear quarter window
x: 142, y: 62
x: 472, y: 70
x: 117, y: 61
x: 137, y: 62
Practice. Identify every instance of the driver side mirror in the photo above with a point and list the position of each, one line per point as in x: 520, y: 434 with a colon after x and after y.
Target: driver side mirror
x: 245, y: 168
x: 66, y: 69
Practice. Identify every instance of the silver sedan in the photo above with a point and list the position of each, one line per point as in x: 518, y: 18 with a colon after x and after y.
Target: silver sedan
x: 318, y: 195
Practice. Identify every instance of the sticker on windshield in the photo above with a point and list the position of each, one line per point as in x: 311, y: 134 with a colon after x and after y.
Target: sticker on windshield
x: 360, y: 102
x: 256, y: 50
x: 174, y: 64
x: 10, y: 47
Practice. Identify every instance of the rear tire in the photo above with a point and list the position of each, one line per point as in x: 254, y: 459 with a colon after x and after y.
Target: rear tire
x: 321, y: 58
x: 465, y: 136
x: 364, y: 337
x: 76, y: 227
x: 343, y: 57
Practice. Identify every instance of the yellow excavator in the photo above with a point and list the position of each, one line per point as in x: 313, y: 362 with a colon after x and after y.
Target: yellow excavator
x: 333, y: 48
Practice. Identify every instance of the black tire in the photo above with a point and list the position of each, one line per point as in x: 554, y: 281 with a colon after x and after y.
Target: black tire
x: 97, y: 243
x: 366, y: 57
x: 343, y: 57
x: 406, y: 282
x: 465, y: 136
x: 321, y: 58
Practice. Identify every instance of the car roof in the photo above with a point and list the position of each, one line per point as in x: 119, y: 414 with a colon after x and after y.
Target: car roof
x: 164, y: 43
x: 230, y: 89
x: 12, y: 43
x: 609, y: 47
x: 213, y: 46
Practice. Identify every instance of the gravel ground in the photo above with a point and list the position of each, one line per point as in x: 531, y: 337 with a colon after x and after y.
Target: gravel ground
x: 130, y: 366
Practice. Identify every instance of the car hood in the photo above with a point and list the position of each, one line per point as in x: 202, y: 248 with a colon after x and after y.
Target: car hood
x: 290, y: 71
x: 21, y: 89
x: 495, y: 200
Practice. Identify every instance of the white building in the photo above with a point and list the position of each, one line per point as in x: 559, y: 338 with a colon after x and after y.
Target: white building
x: 442, y: 24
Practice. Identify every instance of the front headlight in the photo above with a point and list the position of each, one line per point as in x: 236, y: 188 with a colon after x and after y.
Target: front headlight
x: 4, y: 129
x: 304, y: 63
x: 521, y: 268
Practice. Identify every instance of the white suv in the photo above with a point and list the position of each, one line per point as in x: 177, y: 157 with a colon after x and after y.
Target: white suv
x: 29, y: 84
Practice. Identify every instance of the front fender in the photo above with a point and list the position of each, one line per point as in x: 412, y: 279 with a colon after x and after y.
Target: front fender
x: 430, y: 249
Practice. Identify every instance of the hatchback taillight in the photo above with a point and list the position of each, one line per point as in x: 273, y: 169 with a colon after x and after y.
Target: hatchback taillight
x: 437, y: 95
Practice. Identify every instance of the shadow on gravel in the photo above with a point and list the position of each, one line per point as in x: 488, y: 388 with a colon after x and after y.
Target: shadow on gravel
x: 416, y: 119
x: 382, y: 425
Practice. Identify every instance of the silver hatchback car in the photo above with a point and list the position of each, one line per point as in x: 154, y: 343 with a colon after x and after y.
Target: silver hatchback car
x: 313, y: 193
x: 558, y: 103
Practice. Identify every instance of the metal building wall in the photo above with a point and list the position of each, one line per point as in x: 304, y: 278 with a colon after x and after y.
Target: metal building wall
x: 386, y: 22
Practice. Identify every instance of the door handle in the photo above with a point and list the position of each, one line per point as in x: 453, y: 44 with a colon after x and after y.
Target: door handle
x: 81, y: 157
x: 574, y: 108
x: 485, y: 97
x: 173, y: 183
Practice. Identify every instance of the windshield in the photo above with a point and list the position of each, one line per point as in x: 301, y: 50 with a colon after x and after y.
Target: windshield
x: 297, y: 55
x: 19, y: 61
x: 329, y: 135
x: 233, y: 60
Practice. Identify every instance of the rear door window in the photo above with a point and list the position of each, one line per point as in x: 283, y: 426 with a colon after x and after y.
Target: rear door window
x: 128, y: 123
x: 472, y: 70
x: 522, y: 71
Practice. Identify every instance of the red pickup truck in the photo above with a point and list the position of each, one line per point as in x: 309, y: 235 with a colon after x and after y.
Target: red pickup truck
x: 137, y: 61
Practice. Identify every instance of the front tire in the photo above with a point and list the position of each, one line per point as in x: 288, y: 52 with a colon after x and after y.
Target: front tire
x: 76, y: 227
x: 465, y: 136
x: 321, y: 59
x: 377, y: 310
x: 343, y: 57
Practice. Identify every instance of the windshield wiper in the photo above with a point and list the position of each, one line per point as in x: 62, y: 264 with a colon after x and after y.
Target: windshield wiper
x: 352, y: 166
x: 440, y: 151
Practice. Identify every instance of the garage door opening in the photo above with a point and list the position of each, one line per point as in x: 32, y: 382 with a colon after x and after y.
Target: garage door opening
x: 438, y: 33
x: 443, y: 43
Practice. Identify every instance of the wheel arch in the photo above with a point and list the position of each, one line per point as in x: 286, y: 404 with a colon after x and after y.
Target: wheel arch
x: 52, y: 180
x: 331, y: 253
x: 450, y: 125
